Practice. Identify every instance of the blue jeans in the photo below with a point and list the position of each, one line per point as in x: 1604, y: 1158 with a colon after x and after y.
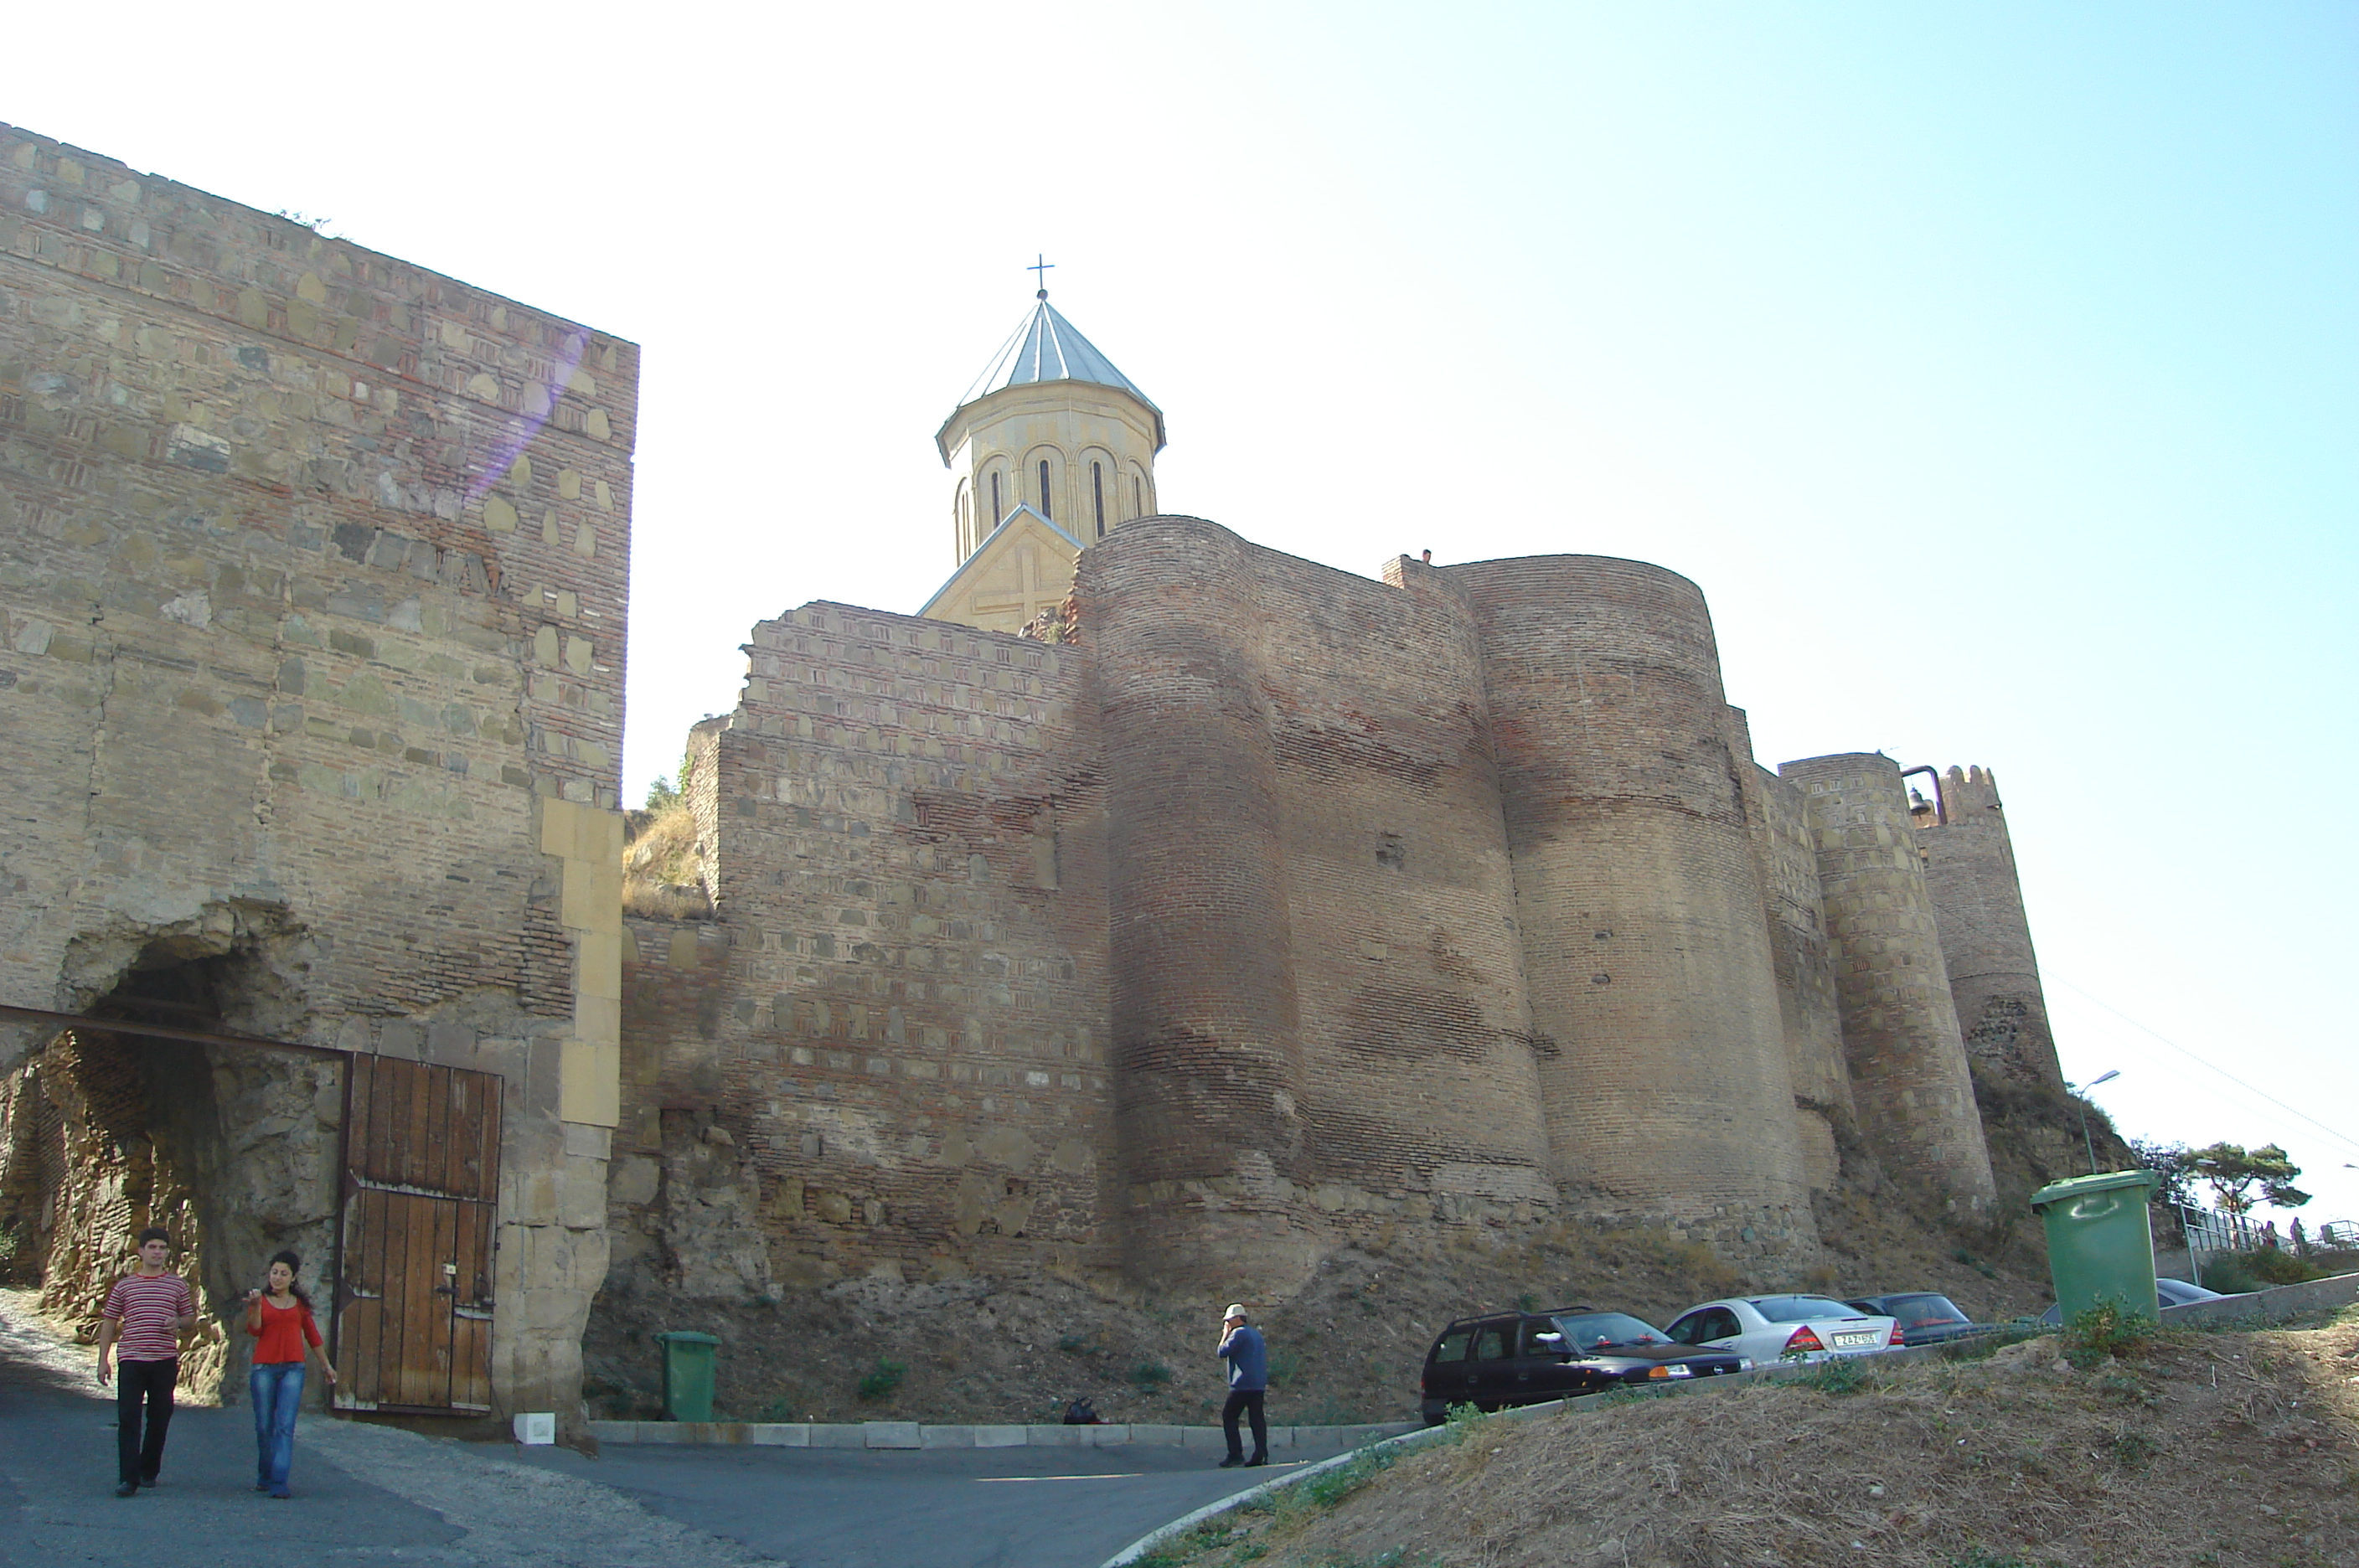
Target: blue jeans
x: 277, y: 1389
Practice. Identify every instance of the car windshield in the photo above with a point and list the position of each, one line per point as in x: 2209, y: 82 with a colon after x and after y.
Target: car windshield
x: 1601, y: 1331
x: 1916, y: 1310
x: 1800, y: 1309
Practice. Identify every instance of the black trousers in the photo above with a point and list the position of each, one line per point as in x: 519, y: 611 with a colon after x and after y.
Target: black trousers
x: 1248, y: 1401
x: 142, y: 1384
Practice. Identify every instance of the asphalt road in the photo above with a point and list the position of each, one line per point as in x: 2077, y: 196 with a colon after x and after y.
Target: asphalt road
x: 993, y: 1507
x: 368, y: 1495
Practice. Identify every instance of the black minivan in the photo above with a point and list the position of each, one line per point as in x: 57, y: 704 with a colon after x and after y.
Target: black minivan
x: 1530, y: 1358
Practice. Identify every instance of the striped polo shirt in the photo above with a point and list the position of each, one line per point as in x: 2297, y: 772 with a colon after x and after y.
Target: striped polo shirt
x: 147, y: 1309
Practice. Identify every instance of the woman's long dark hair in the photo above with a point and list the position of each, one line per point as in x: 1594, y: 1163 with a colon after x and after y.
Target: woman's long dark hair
x: 294, y: 1266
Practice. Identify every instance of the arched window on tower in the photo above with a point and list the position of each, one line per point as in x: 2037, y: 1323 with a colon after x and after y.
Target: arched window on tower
x: 1137, y: 497
x: 995, y: 513
x: 1097, y: 493
x: 1044, y: 492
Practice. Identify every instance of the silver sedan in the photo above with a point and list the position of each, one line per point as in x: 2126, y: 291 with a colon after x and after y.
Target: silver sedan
x: 1771, y: 1329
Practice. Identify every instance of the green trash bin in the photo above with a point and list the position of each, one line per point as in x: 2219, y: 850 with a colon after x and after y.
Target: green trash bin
x: 2100, y: 1247
x: 688, y: 1375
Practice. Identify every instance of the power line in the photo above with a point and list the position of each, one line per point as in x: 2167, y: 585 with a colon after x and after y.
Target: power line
x: 2342, y: 1138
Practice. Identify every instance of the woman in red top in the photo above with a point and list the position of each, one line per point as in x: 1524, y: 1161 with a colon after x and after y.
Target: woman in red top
x: 284, y: 1337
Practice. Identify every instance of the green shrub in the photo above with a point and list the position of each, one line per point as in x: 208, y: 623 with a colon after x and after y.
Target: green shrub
x: 2228, y: 1276
x: 880, y: 1382
x: 2102, y: 1330
x: 1982, y: 1557
x: 1151, y: 1376
x: 1285, y: 1366
x: 1073, y: 1345
x: 1329, y: 1487
x: 1836, y: 1377
x: 2275, y: 1266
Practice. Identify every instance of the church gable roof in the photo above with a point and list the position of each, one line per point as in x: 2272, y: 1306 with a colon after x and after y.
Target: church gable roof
x: 989, y: 554
x: 1047, y: 348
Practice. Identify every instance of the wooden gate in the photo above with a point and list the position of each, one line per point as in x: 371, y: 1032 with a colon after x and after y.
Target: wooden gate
x: 413, y: 1319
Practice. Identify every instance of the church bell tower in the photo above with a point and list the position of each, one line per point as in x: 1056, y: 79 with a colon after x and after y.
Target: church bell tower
x: 1050, y: 450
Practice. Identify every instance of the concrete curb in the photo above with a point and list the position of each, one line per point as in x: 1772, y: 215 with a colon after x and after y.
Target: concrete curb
x: 912, y: 1434
x: 2265, y: 1307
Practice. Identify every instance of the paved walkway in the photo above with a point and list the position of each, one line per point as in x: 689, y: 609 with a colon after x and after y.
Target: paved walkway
x: 369, y: 1495
x: 363, y: 1494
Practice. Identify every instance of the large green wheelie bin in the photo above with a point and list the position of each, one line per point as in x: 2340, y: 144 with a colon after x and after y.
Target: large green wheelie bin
x: 2100, y: 1247
x: 688, y: 1358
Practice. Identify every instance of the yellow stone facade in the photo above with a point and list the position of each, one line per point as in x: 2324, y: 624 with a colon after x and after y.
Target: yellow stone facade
x: 1024, y: 569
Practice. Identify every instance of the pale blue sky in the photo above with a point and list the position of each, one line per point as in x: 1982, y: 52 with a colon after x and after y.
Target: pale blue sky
x: 1994, y: 369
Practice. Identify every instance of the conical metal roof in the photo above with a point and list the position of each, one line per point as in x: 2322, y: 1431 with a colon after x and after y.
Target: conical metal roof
x: 1047, y: 348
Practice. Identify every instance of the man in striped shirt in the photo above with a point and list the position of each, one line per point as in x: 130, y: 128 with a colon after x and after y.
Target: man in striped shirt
x: 146, y: 1314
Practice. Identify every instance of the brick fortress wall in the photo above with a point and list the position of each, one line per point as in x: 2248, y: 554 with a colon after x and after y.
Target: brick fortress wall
x: 1266, y: 918
x: 312, y: 623
x: 1808, y: 1009
x: 1622, y: 777
x: 1907, y: 1064
x: 1320, y: 1020
x: 1970, y: 877
x: 900, y: 1017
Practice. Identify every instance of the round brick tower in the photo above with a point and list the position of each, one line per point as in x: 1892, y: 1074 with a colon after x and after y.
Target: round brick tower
x: 1985, y: 937
x: 1909, y: 1074
x: 1207, y: 1049
x: 1662, y: 1053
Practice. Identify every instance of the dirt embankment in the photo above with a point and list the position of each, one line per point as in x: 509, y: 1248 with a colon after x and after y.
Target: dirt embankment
x: 1348, y: 1347
x: 2186, y: 1448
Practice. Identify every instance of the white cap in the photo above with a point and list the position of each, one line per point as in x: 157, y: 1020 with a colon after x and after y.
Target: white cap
x: 1236, y: 1310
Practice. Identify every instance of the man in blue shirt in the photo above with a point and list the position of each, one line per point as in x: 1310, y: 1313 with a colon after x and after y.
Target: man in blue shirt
x: 1248, y: 1360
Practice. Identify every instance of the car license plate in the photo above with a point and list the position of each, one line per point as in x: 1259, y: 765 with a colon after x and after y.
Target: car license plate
x: 1847, y: 1340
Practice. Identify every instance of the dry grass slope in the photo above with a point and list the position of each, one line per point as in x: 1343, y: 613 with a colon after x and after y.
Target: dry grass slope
x: 663, y: 874
x: 2188, y: 1448
x: 1348, y: 1347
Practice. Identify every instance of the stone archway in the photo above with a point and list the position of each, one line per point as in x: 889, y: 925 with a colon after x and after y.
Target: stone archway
x: 167, y: 1119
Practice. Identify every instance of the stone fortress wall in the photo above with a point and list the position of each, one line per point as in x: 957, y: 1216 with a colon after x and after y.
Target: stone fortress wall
x: 1284, y: 908
x: 311, y: 615
x: 1985, y: 937
x: 1909, y: 1080
x: 1810, y: 1011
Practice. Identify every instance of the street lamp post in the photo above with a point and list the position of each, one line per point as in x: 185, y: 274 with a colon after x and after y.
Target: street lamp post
x: 2088, y: 1144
